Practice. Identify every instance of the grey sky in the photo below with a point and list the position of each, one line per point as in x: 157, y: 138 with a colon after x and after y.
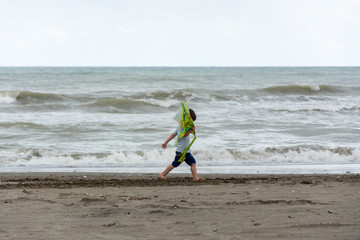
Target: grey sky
x: 179, y: 33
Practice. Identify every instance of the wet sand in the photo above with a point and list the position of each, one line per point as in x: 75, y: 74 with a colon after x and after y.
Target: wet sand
x: 141, y: 206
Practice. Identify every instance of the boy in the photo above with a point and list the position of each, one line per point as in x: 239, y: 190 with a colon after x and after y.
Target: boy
x: 182, y: 144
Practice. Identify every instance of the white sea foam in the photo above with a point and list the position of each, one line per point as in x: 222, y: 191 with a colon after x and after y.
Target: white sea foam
x: 8, y: 96
x: 155, y: 158
x: 315, y: 88
x: 166, y: 103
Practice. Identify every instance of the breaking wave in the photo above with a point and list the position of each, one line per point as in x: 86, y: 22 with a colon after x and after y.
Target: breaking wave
x: 114, y: 105
x: 8, y: 96
x: 321, y: 109
x: 27, y: 97
x: 304, y: 89
x: 177, y: 94
x: 155, y: 158
x: 143, y: 102
x: 287, y: 155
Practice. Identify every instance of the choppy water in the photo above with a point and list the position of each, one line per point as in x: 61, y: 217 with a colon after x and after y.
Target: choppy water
x: 111, y: 118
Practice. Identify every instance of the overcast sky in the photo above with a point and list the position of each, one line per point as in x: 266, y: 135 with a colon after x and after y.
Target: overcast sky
x: 180, y: 33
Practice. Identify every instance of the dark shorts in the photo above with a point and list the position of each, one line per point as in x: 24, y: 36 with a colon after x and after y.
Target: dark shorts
x: 189, y: 159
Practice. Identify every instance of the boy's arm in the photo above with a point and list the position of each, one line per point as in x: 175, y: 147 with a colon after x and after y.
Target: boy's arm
x: 190, y: 131
x: 168, y: 140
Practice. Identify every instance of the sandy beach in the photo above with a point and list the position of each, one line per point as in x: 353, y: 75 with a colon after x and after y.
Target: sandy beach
x: 141, y: 206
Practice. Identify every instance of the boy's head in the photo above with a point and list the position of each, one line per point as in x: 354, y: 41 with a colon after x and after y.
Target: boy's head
x: 192, y: 114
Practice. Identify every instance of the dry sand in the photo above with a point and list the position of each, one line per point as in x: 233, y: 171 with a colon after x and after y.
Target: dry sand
x: 124, y: 206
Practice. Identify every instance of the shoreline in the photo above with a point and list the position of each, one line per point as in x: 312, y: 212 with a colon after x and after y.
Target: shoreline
x: 295, y: 169
x: 91, y: 179
x: 141, y: 206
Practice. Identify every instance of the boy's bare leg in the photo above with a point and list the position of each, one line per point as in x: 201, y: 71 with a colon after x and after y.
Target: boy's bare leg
x: 166, y: 171
x: 194, y: 172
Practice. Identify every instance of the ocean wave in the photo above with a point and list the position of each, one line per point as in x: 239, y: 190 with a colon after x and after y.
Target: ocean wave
x: 302, y: 92
x: 37, y: 157
x: 28, y: 97
x: 27, y: 125
x: 157, y: 158
x: 143, y: 101
x: 161, y: 95
x: 304, y: 89
x: 159, y: 100
x: 343, y: 151
x: 115, y: 105
x: 287, y: 155
x: 320, y: 109
x: 140, y: 101
x: 8, y: 96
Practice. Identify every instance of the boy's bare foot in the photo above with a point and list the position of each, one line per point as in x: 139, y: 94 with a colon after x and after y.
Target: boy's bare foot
x: 199, y: 179
x: 162, y: 176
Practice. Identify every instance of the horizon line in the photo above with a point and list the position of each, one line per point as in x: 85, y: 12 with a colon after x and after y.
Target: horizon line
x: 184, y: 66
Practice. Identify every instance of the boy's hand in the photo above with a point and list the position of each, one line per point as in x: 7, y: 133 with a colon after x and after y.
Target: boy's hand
x: 164, y: 145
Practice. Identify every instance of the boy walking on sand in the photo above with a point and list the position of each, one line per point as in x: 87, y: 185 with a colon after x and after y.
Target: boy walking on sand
x: 183, y: 142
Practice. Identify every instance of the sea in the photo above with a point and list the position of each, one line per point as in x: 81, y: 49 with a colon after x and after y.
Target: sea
x: 250, y: 120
